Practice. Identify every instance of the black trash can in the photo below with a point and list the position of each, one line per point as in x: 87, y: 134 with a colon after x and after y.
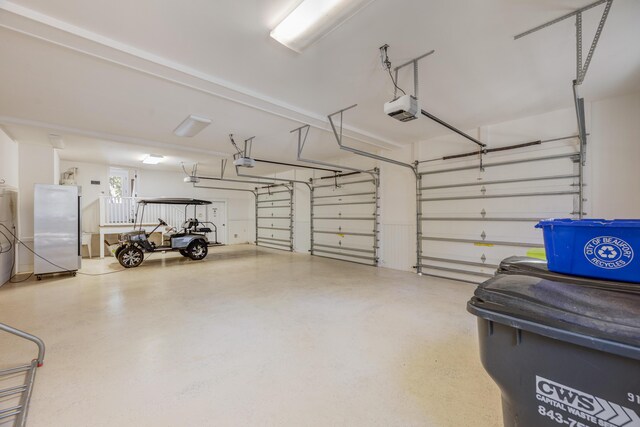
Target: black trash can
x: 564, y: 353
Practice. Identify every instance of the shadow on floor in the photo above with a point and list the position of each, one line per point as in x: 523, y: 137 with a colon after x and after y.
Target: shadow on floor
x: 447, y: 380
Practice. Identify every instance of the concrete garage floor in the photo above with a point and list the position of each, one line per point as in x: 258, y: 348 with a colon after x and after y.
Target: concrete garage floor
x: 250, y: 337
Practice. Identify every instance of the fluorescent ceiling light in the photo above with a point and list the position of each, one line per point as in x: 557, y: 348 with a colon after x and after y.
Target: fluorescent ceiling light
x: 152, y: 159
x: 313, y: 19
x: 191, y: 126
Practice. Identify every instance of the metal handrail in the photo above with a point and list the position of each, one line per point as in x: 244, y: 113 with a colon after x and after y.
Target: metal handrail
x: 21, y: 409
x: 29, y: 337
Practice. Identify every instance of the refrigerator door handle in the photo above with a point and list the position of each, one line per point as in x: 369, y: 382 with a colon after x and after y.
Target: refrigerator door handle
x: 79, y: 228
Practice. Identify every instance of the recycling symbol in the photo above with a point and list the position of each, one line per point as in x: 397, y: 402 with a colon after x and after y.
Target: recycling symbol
x: 607, y: 252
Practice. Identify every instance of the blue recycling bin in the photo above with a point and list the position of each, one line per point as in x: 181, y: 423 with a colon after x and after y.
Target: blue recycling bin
x: 604, y: 249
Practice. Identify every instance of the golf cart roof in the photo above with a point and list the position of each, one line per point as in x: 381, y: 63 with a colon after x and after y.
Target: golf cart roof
x: 173, y: 201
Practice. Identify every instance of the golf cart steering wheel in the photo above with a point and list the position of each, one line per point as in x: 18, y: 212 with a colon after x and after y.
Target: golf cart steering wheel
x: 162, y: 222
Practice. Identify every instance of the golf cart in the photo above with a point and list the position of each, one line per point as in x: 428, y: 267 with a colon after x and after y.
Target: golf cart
x: 191, y: 240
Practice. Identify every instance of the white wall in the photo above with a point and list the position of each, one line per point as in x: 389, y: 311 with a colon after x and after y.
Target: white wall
x: 8, y: 161
x: 397, y: 211
x: 56, y: 166
x: 302, y: 212
x: 614, y: 158
x: 91, y: 193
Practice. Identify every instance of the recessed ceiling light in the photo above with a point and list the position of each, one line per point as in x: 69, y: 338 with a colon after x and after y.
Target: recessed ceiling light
x: 152, y: 159
x: 313, y: 19
x: 192, y: 126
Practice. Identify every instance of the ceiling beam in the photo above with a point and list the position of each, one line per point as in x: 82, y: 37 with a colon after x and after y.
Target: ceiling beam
x: 89, y: 43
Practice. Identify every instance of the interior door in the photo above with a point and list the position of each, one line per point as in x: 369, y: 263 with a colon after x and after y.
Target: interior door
x: 218, y: 215
x: 120, y: 208
x: 120, y: 186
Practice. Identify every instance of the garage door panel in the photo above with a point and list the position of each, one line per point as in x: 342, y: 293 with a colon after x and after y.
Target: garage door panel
x: 274, y: 217
x: 344, y: 218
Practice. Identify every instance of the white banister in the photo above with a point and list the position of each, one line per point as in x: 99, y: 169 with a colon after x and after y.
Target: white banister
x: 122, y: 211
x: 117, y: 210
x: 103, y: 215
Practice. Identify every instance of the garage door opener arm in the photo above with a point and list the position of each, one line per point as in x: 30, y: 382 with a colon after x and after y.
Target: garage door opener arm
x: 581, y: 72
x: 581, y: 67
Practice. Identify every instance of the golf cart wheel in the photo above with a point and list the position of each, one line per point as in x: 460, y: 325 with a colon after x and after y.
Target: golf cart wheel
x: 118, y: 250
x: 131, y: 256
x: 184, y: 253
x: 197, y: 250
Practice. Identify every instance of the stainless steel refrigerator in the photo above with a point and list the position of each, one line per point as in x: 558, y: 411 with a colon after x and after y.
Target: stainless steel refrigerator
x: 57, y: 231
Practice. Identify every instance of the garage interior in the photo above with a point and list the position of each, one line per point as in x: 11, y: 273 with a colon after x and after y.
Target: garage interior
x: 275, y: 213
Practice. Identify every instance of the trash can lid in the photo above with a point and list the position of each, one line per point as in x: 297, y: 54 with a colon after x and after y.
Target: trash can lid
x: 538, y: 268
x: 595, y: 317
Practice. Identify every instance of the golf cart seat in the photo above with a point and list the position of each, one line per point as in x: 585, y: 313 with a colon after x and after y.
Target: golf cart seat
x: 193, y: 225
x: 190, y: 224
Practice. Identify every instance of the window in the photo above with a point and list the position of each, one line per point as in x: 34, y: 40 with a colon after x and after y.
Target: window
x: 115, y: 186
x: 119, y: 184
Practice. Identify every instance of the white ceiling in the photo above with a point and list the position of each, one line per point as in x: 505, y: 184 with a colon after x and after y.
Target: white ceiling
x: 130, y: 72
x: 97, y: 150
